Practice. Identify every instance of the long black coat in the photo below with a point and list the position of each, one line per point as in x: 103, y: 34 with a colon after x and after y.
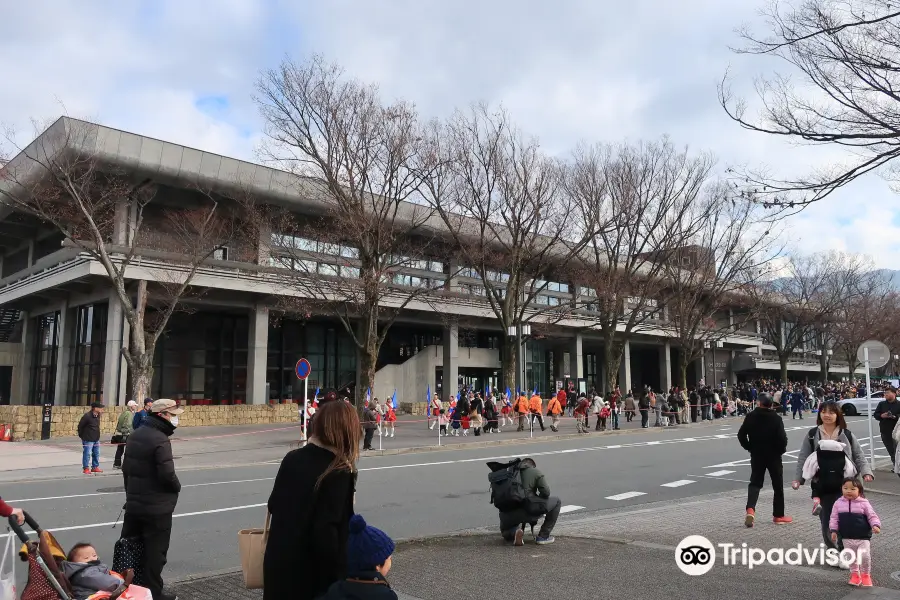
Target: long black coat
x: 307, y: 547
x: 151, y: 485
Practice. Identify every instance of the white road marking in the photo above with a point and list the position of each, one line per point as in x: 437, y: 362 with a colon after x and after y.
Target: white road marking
x: 653, y: 443
x: 722, y: 436
x: 569, y: 508
x: 690, y: 439
x: 719, y: 473
x: 189, y: 485
x: 725, y: 478
x: 190, y: 514
x: 626, y: 496
x: 679, y: 483
x: 613, y: 447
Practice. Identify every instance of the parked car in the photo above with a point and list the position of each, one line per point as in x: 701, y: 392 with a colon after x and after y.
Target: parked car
x: 860, y: 406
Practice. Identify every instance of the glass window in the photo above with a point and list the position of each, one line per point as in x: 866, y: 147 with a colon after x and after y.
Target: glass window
x: 541, y: 299
x: 349, y: 252
x: 552, y: 301
x: 43, y: 369
x: 220, y: 253
x: 350, y: 272
x: 87, y: 357
x: 326, y: 269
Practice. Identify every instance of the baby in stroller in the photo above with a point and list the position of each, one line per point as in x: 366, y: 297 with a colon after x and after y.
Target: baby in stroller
x: 86, y: 574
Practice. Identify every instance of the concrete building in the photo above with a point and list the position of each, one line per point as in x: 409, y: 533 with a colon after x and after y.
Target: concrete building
x: 62, y: 329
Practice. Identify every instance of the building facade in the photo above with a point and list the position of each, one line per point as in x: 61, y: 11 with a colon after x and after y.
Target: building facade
x: 62, y: 327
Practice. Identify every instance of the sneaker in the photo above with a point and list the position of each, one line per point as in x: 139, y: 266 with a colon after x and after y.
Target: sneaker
x: 751, y: 516
x: 782, y: 520
x: 87, y: 471
x: 542, y: 541
x: 817, y: 507
x: 117, y: 466
x: 520, y: 538
x: 855, y: 579
x: 866, y: 580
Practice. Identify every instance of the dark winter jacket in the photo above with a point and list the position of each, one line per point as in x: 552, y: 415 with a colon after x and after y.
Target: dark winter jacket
x: 762, y: 433
x: 89, y: 427
x: 307, y: 547
x: 87, y: 579
x: 139, y: 418
x: 370, y: 420
x: 361, y: 587
x: 151, y: 485
x: 886, y: 426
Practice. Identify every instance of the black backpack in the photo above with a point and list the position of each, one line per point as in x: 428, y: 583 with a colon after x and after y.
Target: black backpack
x: 830, y: 475
x: 507, y: 491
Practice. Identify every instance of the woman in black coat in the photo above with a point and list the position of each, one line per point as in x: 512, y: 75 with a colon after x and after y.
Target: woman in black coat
x: 311, y: 505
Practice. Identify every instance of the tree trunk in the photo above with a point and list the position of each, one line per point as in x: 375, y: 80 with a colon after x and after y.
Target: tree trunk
x: 509, y: 365
x: 368, y: 360
x: 141, y: 377
x: 783, y: 361
x: 612, y: 361
x: 823, y: 367
x: 682, y: 370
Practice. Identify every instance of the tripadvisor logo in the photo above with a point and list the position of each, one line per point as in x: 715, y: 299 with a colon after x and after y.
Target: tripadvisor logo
x: 696, y: 555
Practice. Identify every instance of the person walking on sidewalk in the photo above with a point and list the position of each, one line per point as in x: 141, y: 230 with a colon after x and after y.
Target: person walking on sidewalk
x: 887, y: 413
x: 537, y: 411
x: 141, y: 414
x: 555, y: 408
x: 826, y: 484
x: 762, y: 434
x: 522, y: 410
x: 854, y: 521
x: 644, y: 408
x: 434, y: 415
x: 151, y: 490
x: 124, y: 428
x: 89, y: 433
x: 581, y: 414
x: 630, y: 407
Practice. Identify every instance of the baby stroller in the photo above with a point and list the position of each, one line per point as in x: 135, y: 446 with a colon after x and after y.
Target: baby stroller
x: 46, y: 580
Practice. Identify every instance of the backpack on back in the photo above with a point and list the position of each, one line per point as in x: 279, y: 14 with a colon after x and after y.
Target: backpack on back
x: 507, y: 491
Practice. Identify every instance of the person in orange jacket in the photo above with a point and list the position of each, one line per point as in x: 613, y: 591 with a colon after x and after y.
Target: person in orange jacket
x: 554, y: 409
x: 522, y: 410
x: 537, y: 409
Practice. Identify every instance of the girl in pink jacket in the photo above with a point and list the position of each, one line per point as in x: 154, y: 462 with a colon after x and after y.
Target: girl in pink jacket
x: 854, y: 520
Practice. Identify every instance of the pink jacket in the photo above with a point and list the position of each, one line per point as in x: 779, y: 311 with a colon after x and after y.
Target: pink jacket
x: 860, y: 505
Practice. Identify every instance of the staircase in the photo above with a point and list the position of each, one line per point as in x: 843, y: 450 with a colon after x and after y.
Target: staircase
x: 8, y: 319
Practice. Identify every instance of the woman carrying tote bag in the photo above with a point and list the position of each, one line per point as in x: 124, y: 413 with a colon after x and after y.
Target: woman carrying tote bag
x: 311, y: 505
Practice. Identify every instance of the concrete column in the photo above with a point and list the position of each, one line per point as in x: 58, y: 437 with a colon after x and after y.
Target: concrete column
x: 120, y: 223
x: 625, y: 369
x: 257, y: 355
x: 114, y: 367
x: 451, y: 361
x: 576, y: 357
x: 30, y: 252
x: 264, y: 248
x: 64, y: 340
x: 21, y: 388
x: 665, y: 366
x: 450, y: 269
x: 700, y: 366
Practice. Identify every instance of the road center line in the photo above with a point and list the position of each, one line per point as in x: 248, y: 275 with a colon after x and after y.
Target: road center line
x: 189, y: 485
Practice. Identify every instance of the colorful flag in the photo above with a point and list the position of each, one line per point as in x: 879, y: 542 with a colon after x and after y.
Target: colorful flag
x: 394, y: 399
x: 428, y: 400
x: 534, y: 392
x: 508, y: 395
x: 368, y: 396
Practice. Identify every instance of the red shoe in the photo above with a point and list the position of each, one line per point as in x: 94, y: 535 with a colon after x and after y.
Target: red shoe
x: 751, y: 516
x: 817, y: 507
x: 782, y: 520
x: 87, y: 471
x: 855, y: 579
x: 96, y: 470
x: 866, y: 580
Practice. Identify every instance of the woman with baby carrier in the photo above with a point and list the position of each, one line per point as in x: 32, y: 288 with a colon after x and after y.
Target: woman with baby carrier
x: 828, y: 454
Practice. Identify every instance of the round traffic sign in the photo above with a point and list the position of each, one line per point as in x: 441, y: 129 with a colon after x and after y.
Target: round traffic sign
x: 303, y: 369
x: 879, y: 354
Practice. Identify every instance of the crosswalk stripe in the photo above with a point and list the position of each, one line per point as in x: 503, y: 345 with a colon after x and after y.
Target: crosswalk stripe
x: 569, y: 508
x: 626, y: 496
x: 679, y: 483
x: 719, y: 473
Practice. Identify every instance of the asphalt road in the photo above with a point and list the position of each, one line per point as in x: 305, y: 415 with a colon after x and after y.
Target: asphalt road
x: 413, y: 495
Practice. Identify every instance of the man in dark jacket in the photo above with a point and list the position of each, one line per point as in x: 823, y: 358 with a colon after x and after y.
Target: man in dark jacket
x: 370, y: 424
x: 142, y: 414
x: 886, y: 413
x: 89, y: 432
x: 762, y: 434
x: 539, y: 502
x: 644, y: 408
x: 151, y: 490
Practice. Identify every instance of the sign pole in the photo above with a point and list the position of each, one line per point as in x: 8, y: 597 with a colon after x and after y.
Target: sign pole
x: 306, y: 408
x: 869, y: 403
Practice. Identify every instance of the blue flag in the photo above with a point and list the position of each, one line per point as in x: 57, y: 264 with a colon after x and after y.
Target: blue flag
x: 368, y: 396
x: 534, y: 393
x: 428, y: 401
x: 508, y: 394
x: 394, y: 399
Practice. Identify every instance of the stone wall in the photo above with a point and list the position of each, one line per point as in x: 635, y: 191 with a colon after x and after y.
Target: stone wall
x: 418, y: 408
x: 26, y: 420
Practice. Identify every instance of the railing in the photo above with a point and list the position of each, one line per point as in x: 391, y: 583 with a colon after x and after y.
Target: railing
x: 48, y: 262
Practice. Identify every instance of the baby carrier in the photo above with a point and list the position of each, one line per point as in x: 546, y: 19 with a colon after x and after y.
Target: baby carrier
x: 830, y: 476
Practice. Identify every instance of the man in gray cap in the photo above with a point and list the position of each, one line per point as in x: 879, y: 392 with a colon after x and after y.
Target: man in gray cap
x: 151, y: 490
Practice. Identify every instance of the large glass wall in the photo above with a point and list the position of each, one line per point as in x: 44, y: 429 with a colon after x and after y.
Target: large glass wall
x: 46, y: 349
x: 536, y: 374
x: 202, y: 359
x: 328, y: 348
x: 86, y: 359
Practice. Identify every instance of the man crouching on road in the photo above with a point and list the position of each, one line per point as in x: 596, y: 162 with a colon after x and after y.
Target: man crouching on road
x: 538, y: 502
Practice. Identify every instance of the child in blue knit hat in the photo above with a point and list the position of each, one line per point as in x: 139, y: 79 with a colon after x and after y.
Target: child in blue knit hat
x: 369, y: 553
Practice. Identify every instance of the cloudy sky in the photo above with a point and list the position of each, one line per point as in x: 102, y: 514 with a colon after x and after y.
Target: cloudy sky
x: 567, y: 71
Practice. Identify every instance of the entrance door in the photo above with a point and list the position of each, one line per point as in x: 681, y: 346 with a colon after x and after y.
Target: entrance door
x: 5, y: 384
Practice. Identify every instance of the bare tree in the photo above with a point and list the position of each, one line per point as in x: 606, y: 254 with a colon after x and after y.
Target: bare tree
x: 804, y: 297
x: 867, y: 312
x: 732, y: 251
x: 847, y: 55
x: 642, y: 203
x: 511, y: 219
x: 359, y: 162
x: 61, y: 179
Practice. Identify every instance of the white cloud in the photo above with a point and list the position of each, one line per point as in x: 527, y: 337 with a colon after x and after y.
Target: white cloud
x: 568, y: 71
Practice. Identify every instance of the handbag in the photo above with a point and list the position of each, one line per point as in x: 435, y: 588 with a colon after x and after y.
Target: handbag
x: 252, y: 545
x: 128, y: 553
x: 117, y: 439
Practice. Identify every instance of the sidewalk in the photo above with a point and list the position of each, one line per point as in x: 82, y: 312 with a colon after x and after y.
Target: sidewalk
x: 622, y: 555
x: 232, y: 445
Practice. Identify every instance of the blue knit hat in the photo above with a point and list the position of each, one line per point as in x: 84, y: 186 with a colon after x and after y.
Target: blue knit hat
x: 367, y: 547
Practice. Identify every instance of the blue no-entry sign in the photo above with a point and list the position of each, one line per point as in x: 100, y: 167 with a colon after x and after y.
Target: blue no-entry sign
x: 303, y: 369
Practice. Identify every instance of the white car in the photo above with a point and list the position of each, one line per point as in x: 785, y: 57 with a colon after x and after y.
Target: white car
x: 860, y: 406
